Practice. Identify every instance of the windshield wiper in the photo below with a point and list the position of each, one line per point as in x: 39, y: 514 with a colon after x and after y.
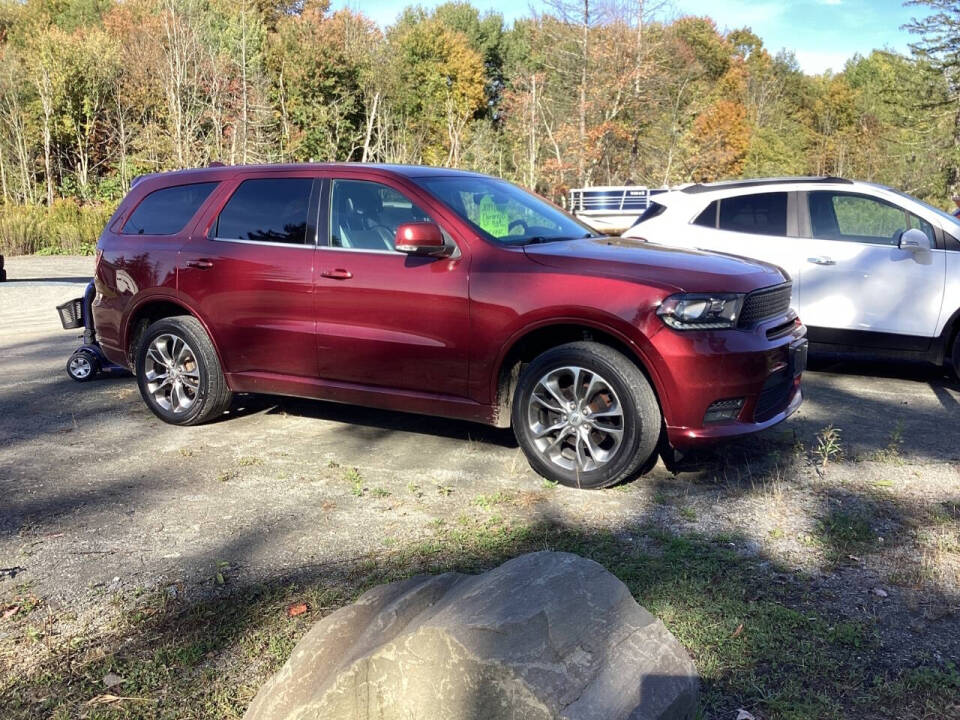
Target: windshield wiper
x: 539, y: 239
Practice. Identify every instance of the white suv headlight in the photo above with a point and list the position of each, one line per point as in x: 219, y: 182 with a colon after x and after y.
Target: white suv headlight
x: 701, y: 311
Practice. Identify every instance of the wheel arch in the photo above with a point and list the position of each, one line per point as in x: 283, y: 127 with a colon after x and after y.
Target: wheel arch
x: 534, y: 340
x: 150, y: 310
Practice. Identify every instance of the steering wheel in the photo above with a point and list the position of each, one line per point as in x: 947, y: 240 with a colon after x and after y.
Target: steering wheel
x: 520, y: 222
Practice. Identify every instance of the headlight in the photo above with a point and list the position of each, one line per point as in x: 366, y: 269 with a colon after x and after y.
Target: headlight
x: 701, y: 311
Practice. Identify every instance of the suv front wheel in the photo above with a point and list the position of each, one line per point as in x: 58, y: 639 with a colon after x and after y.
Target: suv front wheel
x: 585, y: 415
x: 178, y: 372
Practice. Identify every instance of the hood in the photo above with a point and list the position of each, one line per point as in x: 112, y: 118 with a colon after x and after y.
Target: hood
x: 683, y: 270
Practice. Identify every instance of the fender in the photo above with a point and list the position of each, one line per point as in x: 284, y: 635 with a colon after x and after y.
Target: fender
x: 164, y: 295
x: 605, y: 324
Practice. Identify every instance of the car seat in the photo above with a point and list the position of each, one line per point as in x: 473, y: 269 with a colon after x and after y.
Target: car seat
x: 358, y: 218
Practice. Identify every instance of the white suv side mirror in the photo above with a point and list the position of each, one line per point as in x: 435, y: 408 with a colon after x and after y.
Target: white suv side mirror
x: 914, y: 239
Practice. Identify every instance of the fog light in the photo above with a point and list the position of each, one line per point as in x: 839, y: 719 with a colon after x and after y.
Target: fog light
x: 723, y: 410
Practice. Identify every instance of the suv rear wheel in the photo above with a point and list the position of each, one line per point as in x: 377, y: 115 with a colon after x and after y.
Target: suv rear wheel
x: 585, y: 415
x: 955, y: 355
x: 178, y: 372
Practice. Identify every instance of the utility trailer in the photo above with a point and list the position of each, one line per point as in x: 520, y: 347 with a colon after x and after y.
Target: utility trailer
x: 611, y: 209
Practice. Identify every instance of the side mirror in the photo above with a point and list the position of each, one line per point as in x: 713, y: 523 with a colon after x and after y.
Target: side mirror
x: 421, y: 238
x: 914, y: 239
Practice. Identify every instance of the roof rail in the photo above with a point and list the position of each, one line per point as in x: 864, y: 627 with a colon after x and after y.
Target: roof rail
x: 760, y: 182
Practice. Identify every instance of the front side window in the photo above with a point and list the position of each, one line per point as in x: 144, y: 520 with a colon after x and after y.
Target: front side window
x: 760, y: 214
x: 267, y: 210
x: 167, y: 211
x: 503, y: 212
x: 365, y: 215
x: 856, y: 218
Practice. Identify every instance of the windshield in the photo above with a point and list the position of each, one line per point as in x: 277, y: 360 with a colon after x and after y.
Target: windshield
x: 503, y: 212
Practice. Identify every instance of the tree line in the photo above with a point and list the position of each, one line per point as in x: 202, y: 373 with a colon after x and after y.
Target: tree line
x: 96, y: 92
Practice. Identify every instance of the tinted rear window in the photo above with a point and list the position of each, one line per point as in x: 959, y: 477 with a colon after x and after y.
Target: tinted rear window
x: 763, y: 214
x: 653, y: 210
x: 267, y: 210
x: 167, y: 211
x: 708, y: 218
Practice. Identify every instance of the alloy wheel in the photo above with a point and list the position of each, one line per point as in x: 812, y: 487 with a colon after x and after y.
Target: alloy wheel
x: 575, y: 419
x: 172, y: 374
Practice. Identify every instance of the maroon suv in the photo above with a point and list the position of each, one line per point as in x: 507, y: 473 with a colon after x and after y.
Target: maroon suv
x: 440, y: 292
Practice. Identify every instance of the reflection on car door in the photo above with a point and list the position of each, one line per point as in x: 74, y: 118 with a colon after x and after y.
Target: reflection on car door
x: 758, y: 225
x: 855, y: 276
x: 249, y: 272
x: 383, y: 317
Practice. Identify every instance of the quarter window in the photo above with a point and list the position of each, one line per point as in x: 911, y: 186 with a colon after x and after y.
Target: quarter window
x: 856, y: 218
x: 365, y: 215
x: 760, y: 214
x: 267, y: 210
x: 167, y: 211
x: 708, y: 218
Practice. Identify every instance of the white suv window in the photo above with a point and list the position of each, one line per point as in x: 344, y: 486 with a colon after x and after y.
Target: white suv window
x: 860, y: 218
x: 756, y: 214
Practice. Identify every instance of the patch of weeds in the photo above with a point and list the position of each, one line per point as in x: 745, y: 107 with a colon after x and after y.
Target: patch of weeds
x: 893, y: 452
x: 414, y: 490
x: 248, y: 461
x: 226, y: 475
x: 661, y: 498
x: 379, y: 492
x: 688, y: 513
x: 353, y: 476
x: 444, y: 489
x: 828, y: 447
x: 845, y: 532
x: 186, y: 452
x: 488, y: 502
x: 548, y: 484
x: 777, y: 533
x: 333, y: 464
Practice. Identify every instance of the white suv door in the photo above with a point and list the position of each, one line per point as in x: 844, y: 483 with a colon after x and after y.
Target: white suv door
x: 854, y: 275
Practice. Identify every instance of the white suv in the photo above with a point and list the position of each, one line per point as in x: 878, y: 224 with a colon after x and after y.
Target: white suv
x: 875, y: 270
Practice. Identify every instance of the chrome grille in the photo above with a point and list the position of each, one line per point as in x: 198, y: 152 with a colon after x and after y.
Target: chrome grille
x: 765, y: 303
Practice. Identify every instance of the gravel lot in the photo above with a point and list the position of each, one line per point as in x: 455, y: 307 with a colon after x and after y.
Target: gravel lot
x: 99, y: 499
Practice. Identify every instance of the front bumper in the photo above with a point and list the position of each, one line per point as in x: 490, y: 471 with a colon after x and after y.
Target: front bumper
x: 762, y: 366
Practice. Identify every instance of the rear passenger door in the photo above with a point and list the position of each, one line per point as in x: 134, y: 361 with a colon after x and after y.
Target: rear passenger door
x: 385, y: 318
x: 248, y: 270
x: 758, y: 225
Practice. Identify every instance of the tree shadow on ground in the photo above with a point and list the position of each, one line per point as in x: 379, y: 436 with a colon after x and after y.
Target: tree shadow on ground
x: 756, y: 632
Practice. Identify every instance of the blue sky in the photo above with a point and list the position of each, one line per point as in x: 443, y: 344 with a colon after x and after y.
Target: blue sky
x: 822, y: 33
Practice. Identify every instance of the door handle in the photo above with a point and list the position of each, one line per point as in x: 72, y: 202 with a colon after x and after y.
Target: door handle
x: 822, y: 260
x: 201, y: 264
x: 337, y: 274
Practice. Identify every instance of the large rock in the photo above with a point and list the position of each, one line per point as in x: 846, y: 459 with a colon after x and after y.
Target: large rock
x: 545, y: 635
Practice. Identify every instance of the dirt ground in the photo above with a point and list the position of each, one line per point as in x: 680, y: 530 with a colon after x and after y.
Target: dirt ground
x: 99, y: 499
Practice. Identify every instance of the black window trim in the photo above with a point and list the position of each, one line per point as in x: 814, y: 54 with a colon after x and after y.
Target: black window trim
x: 121, y: 228
x: 310, y: 234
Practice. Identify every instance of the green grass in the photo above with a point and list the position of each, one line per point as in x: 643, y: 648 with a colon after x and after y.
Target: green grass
x: 756, y: 643
x: 844, y: 533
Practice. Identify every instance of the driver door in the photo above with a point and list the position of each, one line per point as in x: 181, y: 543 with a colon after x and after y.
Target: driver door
x: 385, y: 318
x: 854, y: 275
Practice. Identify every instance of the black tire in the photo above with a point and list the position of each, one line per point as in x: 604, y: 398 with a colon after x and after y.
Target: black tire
x: 3, y: 275
x: 211, y: 398
x: 640, y: 420
x: 955, y: 356
x: 83, y: 366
